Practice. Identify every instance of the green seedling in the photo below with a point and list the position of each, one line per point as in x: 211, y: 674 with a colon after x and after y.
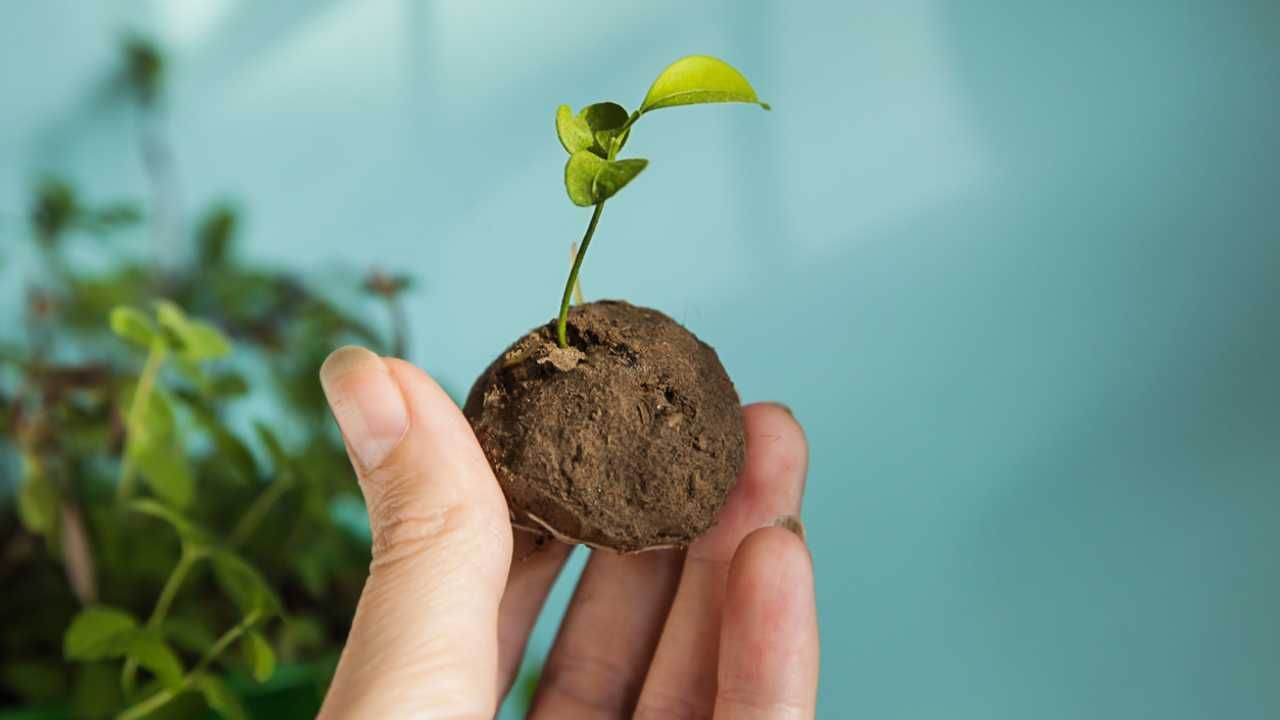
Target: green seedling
x: 594, y: 136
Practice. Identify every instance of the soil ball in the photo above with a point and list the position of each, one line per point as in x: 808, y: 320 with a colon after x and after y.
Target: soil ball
x: 628, y: 439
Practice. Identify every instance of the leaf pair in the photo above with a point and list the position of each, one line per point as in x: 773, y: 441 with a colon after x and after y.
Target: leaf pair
x: 594, y: 136
x: 193, y: 340
x: 102, y: 633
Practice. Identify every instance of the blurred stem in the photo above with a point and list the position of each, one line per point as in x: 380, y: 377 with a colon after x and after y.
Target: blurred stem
x: 163, y: 697
x: 262, y: 504
x: 133, y: 423
x: 399, y: 328
x: 186, y: 561
x: 573, y: 276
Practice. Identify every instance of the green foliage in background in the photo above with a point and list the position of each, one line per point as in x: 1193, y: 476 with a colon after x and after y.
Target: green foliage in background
x: 171, y: 484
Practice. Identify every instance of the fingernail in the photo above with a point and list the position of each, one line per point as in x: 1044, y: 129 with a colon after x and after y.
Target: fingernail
x: 367, y: 403
x: 782, y: 407
x: 790, y: 522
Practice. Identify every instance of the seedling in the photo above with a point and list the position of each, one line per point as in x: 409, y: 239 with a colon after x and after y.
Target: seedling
x: 596, y: 134
x: 631, y: 438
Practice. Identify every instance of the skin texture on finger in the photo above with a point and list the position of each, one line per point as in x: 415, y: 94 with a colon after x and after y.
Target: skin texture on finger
x: 534, y: 569
x: 424, y: 640
x: 607, y: 639
x: 682, y: 680
x: 769, y: 636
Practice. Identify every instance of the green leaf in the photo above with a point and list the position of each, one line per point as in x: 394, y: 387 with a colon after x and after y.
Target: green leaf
x: 573, y: 131
x: 150, y: 651
x: 244, y: 585
x: 132, y: 325
x: 99, y: 632
x: 197, y: 340
x: 38, y: 499
x: 699, y: 79
x: 156, y: 422
x: 166, y: 469
x: 606, y: 120
x: 258, y: 655
x: 615, y: 175
x: 219, y: 697
x: 590, y: 179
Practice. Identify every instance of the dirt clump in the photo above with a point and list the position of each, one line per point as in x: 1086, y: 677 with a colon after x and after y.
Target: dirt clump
x: 630, y: 438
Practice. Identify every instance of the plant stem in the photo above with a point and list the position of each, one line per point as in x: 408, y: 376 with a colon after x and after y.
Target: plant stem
x: 161, y: 698
x: 170, y: 591
x: 152, y: 703
x: 573, y: 276
x: 133, y: 423
x: 258, y: 510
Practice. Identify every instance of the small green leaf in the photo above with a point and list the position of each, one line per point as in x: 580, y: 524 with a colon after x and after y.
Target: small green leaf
x: 699, y: 79
x: 166, y: 469
x: 244, y: 585
x: 132, y: 325
x: 258, y: 655
x: 99, y: 632
x: 197, y: 340
x: 220, y: 697
x: 590, y: 179
x: 615, y: 175
x: 150, y: 651
x: 606, y: 120
x: 573, y: 131
x: 37, y: 498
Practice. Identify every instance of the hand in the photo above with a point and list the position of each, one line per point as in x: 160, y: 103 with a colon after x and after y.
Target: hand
x: 727, y: 628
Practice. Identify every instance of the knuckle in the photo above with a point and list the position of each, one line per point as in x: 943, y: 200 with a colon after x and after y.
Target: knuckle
x: 665, y: 706
x: 589, y: 681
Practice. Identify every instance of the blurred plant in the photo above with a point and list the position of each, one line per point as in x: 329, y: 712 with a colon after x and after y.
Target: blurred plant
x: 147, y: 535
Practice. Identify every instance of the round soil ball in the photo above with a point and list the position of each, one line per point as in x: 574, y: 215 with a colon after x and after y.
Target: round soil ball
x: 628, y: 439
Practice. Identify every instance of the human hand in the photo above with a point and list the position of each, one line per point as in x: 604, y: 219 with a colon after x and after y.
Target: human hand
x: 727, y: 628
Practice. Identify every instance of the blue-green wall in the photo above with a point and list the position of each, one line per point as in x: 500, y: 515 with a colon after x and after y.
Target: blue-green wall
x: 1015, y: 265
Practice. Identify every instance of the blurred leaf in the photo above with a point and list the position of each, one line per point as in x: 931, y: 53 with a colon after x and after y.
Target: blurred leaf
x: 34, y: 680
x: 573, y: 131
x: 213, y: 238
x: 132, y: 325
x: 99, y: 632
x: 244, y: 585
x: 164, y: 465
x: 38, y: 499
x: 272, y: 443
x: 197, y: 340
x: 220, y: 697
x: 144, y: 68
x: 54, y: 209
x: 699, y: 79
x: 150, y: 651
x: 258, y: 655
x: 96, y: 693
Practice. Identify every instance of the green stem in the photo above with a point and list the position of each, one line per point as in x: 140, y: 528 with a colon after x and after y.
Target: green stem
x: 146, y: 707
x: 161, y: 698
x: 179, y: 573
x: 573, y: 276
x: 258, y: 510
x: 133, y: 423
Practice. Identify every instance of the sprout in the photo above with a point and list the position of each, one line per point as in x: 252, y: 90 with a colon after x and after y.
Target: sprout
x: 594, y: 136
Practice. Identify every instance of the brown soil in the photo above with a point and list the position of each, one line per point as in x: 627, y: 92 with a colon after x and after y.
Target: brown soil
x: 629, y: 439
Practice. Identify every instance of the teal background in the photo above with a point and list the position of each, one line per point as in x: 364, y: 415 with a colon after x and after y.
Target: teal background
x: 1015, y: 266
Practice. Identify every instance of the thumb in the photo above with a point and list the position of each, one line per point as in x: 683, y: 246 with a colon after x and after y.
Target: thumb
x: 424, y: 638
